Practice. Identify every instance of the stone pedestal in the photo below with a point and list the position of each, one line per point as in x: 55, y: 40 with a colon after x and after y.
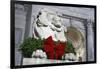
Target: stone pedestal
x: 34, y: 61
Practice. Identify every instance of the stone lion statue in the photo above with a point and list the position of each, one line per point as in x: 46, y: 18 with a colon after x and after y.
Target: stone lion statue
x: 48, y: 24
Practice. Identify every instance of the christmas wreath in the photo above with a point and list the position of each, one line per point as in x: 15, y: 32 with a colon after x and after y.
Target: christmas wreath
x: 54, y: 50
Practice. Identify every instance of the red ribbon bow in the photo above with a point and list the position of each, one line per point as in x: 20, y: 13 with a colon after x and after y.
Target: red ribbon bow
x: 53, y: 51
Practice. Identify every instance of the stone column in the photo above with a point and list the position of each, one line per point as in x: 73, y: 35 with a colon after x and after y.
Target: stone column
x: 90, y: 41
x: 28, y: 9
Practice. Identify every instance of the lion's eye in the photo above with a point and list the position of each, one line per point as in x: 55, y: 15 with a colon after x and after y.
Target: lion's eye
x: 39, y: 13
